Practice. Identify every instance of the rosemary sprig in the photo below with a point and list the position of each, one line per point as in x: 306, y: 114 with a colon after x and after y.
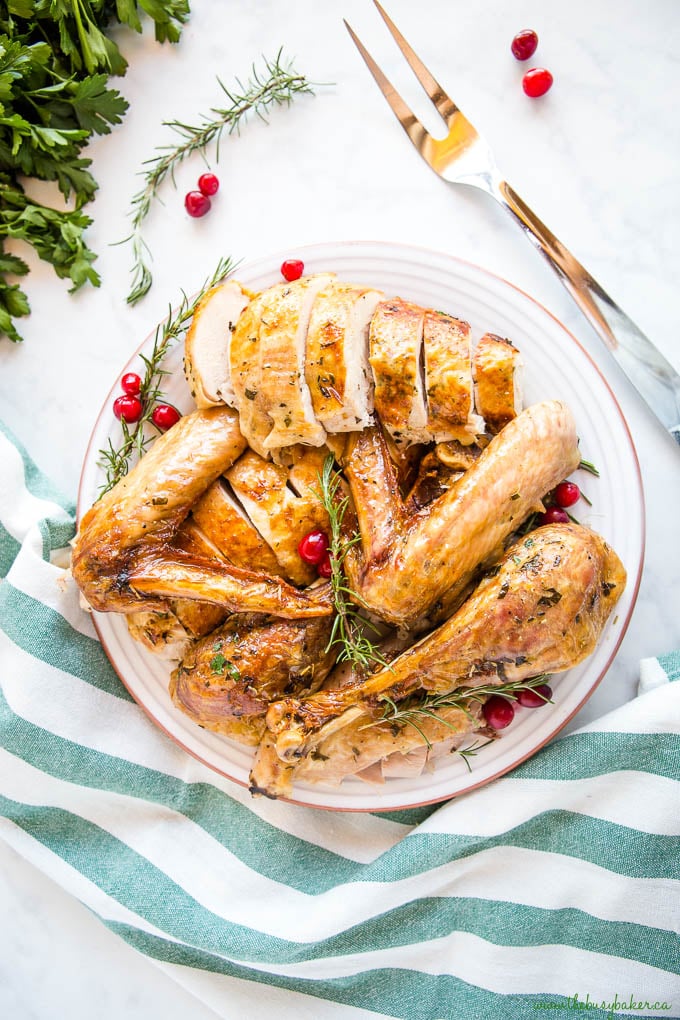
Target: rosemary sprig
x: 350, y: 628
x: 586, y: 465
x: 412, y: 711
x: 471, y: 751
x: 276, y: 85
x: 115, y: 461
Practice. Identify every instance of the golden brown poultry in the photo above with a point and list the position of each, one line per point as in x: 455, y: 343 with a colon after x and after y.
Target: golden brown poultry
x: 409, y: 565
x: 123, y: 556
x: 227, y: 680
x: 541, y: 610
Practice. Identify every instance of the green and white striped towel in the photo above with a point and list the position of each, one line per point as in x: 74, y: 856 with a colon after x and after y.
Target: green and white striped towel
x: 556, y: 887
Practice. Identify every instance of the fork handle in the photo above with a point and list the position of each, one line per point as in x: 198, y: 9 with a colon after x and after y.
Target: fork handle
x: 652, y: 375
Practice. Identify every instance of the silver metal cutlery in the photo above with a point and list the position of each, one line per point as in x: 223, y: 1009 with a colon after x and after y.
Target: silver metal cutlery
x: 462, y: 156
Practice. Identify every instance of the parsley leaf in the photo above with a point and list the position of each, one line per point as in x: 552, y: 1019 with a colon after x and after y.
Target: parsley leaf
x: 95, y: 106
x: 218, y: 664
x: 55, y: 60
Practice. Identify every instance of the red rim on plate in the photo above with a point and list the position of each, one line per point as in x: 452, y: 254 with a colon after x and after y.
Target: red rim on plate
x: 557, y: 366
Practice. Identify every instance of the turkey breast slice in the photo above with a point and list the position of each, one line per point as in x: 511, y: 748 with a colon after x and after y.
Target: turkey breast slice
x: 497, y: 370
x: 208, y: 342
x: 284, y: 392
x: 222, y: 520
x: 448, y: 379
x: 246, y: 375
x: 395, y: 353
x: 282, y: 517
x: 337, y: 370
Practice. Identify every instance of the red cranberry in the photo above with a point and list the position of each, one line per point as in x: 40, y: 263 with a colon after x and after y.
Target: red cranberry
x: 524, y: 44
x: 537, y: 81
x: 164, y: 416
x: 196, y: 203
x: 128, y: 408
x: 554, y: 515
x: 292, y: 269
x: 324, y: 568
x: 314, y: 546
x: 566, y: 494
x: 535, y: 697
x: 208, y: 184
x: 498, y: 712
x: 131, y: 383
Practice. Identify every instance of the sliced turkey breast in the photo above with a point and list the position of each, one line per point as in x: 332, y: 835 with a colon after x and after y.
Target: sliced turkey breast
x: 223, y: 521
x: 208, y: 341
x: 497, y: 371
x: 282, y: 517
x: 395, y: 353
x: 305, y: 467
x: 284, y: 393
x: 448, y: 379
x: 355, y: 748
x: 246, y: 376
x: 337, y: 370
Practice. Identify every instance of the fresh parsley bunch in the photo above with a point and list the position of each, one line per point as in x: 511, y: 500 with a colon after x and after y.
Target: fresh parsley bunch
x: 55, y: 61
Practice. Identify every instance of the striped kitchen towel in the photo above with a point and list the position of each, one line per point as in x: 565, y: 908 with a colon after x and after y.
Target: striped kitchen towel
x: 554, y: 888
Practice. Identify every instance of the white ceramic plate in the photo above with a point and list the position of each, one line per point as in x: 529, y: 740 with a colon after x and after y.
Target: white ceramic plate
x: 556, y: 367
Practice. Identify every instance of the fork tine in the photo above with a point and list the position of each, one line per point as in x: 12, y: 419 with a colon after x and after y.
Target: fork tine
x: 445, y: 106
x: 408, y: 120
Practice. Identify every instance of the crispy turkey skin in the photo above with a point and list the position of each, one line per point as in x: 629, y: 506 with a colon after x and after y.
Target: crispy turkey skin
x: 200, y: 544
x: 407, y: 563
x: 542, y: 610
x: 123, y: 559
x: 227, y: 680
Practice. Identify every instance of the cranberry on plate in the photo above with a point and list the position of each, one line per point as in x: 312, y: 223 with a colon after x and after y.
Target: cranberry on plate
x: 164, y: 416
x: 131, y: 383
x: 127, y: 408
x: 566, y: 494
x: 498, y: 712
x: 554, y: 515
x: 534, y: 697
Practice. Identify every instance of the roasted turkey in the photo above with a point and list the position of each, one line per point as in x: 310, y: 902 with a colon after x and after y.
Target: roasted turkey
x: 227, y: 680
x: 540, y: 610
x: 439, y: 469
x: 124, y: 559
x: 408, y: 563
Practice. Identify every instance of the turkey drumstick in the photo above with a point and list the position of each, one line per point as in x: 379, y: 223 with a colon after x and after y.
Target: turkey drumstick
x: 541, y: 611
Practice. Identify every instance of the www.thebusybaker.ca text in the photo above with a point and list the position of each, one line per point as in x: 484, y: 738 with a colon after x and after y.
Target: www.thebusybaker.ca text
x: 612, y: 1007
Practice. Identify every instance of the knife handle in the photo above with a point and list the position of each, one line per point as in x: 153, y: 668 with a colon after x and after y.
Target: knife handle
x: 652, y: 375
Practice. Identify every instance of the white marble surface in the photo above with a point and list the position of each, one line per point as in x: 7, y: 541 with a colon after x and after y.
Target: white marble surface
x: 597, y: 158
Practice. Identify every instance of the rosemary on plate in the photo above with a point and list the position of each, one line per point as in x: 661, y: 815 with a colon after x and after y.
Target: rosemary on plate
x: 423, y: 705
x: 115, y: 460
x: 471, y: 751
x: 586, y: 465
x: 350, y: 630
x: 276, y: 85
